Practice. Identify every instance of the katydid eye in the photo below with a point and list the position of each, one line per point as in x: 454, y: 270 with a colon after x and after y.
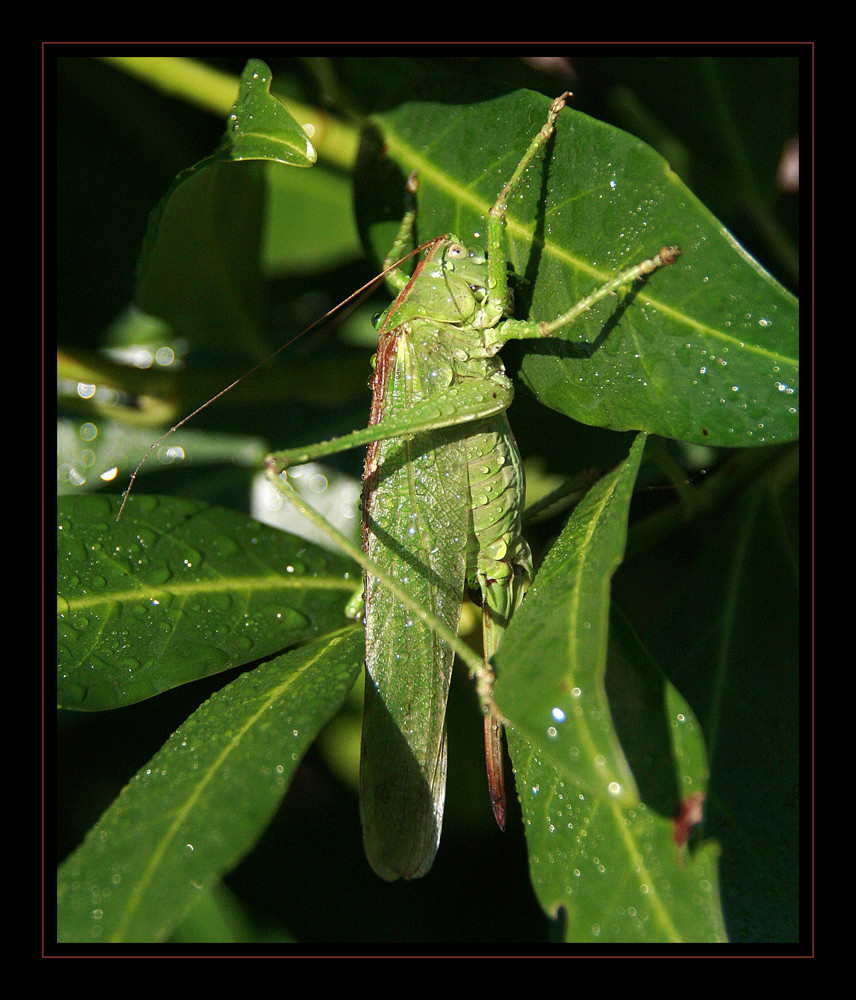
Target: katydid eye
x: 456, y: 250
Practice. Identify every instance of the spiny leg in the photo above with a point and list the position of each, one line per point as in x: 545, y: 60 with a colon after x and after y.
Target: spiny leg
x: 666, y: 256
x: 497, y: 252
x: 503, y: 584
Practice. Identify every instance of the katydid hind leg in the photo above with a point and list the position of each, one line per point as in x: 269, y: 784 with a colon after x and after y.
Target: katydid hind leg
x: 501, y: 598
x: 462, y: 404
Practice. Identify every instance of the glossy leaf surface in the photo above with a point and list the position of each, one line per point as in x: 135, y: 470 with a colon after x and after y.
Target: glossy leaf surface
x: 178, y: 590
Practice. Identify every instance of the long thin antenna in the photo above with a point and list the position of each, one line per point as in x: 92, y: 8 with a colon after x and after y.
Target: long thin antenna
x: 360, y: 291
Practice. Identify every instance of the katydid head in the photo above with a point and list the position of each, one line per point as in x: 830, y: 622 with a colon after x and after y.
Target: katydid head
x: 450, y: 285
x: 465, y: 274
x: 464, y: 265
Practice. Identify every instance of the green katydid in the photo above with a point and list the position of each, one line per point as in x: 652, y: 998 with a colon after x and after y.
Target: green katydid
x: 443, y: 492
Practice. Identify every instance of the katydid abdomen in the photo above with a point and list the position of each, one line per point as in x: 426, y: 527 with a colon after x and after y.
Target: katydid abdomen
x: 499, y: 563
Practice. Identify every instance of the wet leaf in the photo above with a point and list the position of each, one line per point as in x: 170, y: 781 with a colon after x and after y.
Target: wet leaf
x: 178, y: 590
x: 204, y: 799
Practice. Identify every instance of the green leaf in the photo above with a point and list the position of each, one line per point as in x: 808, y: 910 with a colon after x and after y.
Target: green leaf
x: 178, y: 590
x: 260, y: 127
x: 705, y: 351
x: 198, y: 268
x: 204, y: 799
x: 310, y: 221
x: 567, y: 610
x: 603, y: 755
x: 91, y: 452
